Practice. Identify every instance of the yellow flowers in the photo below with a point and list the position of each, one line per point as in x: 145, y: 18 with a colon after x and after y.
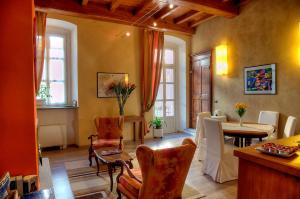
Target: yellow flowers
x: 240, y: 105
x: 240, y: 108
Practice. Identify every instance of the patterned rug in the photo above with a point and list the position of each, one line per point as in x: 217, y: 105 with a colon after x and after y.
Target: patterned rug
x: 86, y: 184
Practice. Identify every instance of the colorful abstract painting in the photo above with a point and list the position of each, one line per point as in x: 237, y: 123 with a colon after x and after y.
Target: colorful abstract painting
x: 260, y: 79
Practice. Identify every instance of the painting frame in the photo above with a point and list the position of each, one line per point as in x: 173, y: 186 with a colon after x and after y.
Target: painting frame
x: 105, y: 79
x: 269, y: 82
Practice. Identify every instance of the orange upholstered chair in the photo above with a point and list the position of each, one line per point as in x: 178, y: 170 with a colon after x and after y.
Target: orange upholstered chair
x: 162, y: 172
x: 109, y: 134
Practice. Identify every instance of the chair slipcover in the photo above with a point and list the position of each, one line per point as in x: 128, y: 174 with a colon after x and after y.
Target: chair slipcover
x: 200, y: 139
x: 269, y: 117
x: 290, y: 127
x: 219, y: 163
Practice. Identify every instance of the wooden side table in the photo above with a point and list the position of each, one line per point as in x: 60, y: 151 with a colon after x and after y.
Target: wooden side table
x: 135, y: 119
x: 112, y: 161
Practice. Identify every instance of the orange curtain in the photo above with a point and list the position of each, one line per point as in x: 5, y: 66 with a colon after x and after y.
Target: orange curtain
x: 40, y: 42
x: 151, y: 69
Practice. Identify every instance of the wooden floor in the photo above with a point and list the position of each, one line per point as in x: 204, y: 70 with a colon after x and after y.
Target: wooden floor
x: 195, y: 177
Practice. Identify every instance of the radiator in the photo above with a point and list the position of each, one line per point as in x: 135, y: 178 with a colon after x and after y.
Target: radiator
x: 52, y: 135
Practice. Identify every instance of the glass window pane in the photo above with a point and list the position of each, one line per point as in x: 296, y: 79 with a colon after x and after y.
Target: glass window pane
x: 57, y: 53
x: 170, y: 75
x: 169, y: 91
x: 169, y: 56
x: 169, y: 108
x: 56, y: 69
x: 158, y: 109
x: 57, y: 92
x: 160, y: 92
x: 56, y: 42
x: 162, y: 76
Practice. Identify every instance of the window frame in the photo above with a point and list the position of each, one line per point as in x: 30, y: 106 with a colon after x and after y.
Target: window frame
x: 66, y: 34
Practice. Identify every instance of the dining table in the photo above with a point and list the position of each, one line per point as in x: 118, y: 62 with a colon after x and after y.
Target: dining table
x: 244, y: 133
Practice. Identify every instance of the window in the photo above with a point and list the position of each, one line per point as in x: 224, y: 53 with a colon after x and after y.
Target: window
x: 165, y: 100
x: 55, y: 68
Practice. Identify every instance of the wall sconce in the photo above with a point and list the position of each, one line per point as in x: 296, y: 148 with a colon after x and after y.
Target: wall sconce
x: 299, y: 45
x: 221, y: 60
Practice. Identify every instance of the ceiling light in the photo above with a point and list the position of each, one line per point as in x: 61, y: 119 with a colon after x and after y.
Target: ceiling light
x: 171, y: 5
x: 127, y: 34
x: 154, y: 24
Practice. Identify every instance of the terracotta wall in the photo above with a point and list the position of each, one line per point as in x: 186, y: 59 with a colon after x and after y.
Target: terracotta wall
x: 18, y: 153
x: 265, y: 32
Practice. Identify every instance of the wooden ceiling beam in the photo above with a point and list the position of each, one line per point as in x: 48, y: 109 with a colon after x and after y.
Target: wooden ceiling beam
x: 94, y: 11
x: 144, y: 6
x: 165, y: 11
x: 114, y: 5
x: 202, y: 20
x: 84, y: 2
x: 214, y: 7
x: 186, y: 17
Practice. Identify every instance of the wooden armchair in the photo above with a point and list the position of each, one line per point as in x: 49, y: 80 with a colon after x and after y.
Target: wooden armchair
x: 162, y: 172
x: 109, y: 134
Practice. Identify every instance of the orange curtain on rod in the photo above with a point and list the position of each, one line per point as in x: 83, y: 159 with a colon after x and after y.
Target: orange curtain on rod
x: 40, y: 42
x: 151, y: 70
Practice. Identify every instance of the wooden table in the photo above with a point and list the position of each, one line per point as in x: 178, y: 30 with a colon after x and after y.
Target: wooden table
x: 136, y: 119
x: 111, y: 161
x: 247, y: 131
x: 265, y: 176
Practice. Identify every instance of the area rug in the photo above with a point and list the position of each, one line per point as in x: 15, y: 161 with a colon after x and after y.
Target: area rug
x: 85, y: 184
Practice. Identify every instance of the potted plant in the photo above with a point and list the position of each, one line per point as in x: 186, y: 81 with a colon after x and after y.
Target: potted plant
x: 43, y: 95
x: 157, y: 124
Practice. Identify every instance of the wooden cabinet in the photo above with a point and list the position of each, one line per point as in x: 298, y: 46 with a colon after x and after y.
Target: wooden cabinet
x: 263, y: 176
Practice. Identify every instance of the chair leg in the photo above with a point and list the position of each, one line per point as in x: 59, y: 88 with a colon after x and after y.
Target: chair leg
x: 90, y: 155
x: 119, y: 194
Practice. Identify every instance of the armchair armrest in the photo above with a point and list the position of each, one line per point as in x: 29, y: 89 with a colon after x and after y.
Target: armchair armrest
x: 124, y: 165
x: 91, y: 138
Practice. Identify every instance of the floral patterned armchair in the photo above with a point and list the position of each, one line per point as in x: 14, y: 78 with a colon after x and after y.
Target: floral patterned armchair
x: 109, y: 134
x: 162, y: 172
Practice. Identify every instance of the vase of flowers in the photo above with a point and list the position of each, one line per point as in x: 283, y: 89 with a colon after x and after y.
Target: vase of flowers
x: 122, y: 91
x: 240, y: 109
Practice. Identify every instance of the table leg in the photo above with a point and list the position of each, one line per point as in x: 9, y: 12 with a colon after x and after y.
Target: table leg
x: 97, y: 162
x: 260, y: 139
x: 129, y: 164
x: 133, y: 131
x: 248, y: 141
x: 237, y: 141
x: 110, y: 172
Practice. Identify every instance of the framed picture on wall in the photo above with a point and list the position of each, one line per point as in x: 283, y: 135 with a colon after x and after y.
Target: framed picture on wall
x: 104, y: 81
x: 260, y: 79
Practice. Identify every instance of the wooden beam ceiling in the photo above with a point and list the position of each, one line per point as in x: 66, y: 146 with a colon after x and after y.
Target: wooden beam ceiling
x: 114, y: 5
x: 84, y: 2
x: 166, y: 11
x: 94, y: 11
x: 214, y: 7
x: 186, y: 17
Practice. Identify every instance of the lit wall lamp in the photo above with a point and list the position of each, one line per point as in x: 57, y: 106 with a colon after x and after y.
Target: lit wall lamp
x: 221, y: 60
x: 299, y: 46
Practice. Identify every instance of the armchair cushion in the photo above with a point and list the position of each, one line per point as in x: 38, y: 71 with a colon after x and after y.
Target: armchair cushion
x: 106, y: 143
x: 130, y: 184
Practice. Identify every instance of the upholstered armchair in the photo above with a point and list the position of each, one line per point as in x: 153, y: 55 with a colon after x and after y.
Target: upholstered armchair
x: 162, y: 172
x: 109, y: 134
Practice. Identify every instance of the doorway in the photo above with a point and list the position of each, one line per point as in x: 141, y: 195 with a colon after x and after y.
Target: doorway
x: 201, y: 85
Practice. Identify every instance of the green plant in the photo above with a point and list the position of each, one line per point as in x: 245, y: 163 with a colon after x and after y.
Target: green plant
x: 44, y: 92
x: 157, y: 123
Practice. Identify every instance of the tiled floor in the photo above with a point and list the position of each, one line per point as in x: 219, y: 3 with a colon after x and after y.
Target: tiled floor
x: 195, y: 177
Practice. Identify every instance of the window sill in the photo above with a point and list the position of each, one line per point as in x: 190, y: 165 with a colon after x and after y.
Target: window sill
x: 49, y: 107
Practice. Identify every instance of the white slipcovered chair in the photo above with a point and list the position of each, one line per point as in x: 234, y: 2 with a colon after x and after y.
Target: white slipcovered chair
x: 271, y: 118
x: 290, y: 126
x: 200, y: 139
x: 220, y: 163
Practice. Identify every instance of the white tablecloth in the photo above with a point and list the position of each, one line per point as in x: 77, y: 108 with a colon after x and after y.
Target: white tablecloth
x: 248, y: 127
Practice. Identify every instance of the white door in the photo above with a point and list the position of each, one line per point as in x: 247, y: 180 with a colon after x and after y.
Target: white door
x: 165, y: 100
